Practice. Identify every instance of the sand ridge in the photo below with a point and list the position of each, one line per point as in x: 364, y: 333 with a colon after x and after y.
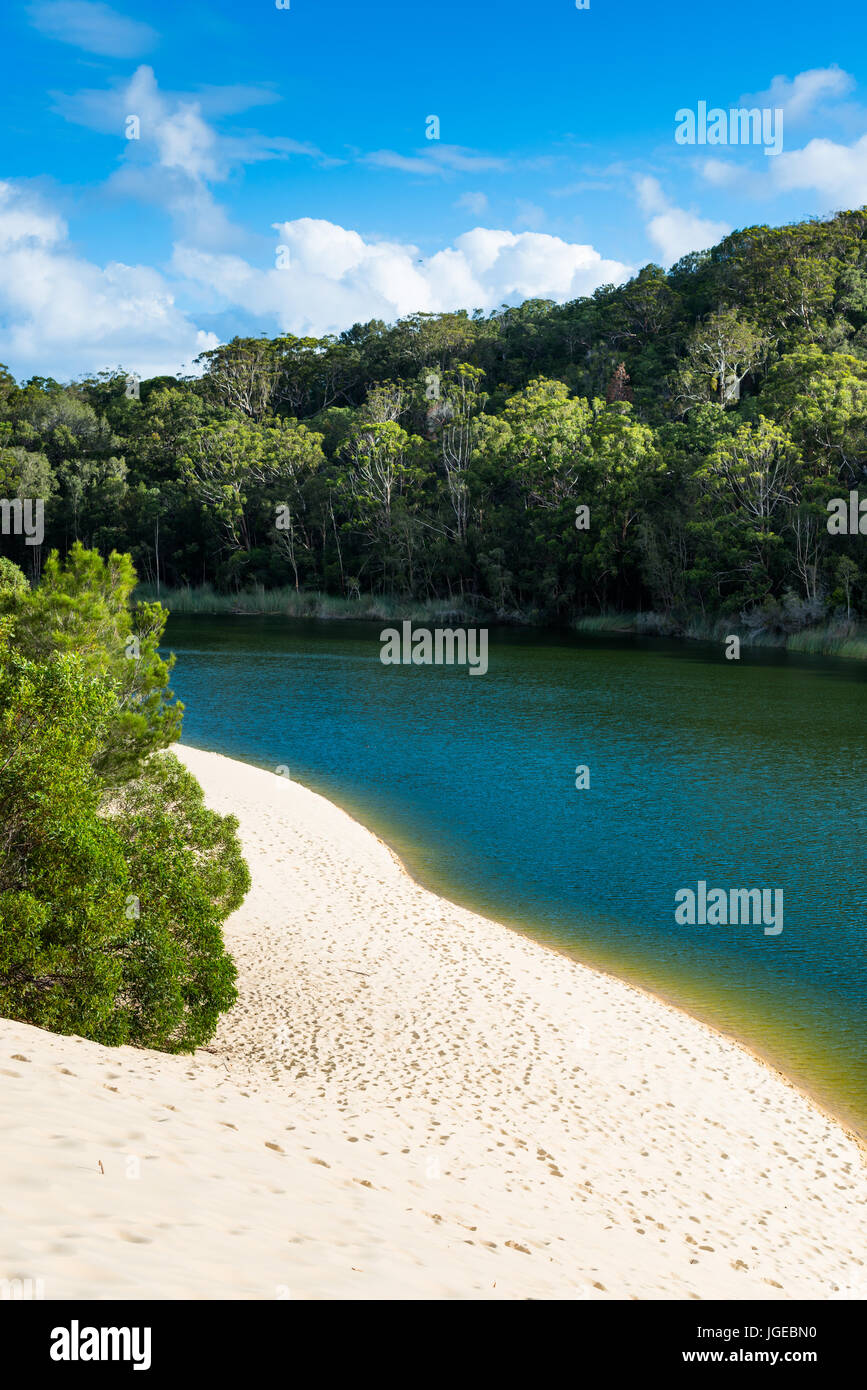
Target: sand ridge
x: 412, y: 1101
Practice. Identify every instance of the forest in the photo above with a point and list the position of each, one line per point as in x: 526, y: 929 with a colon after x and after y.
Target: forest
x: 667, y: 448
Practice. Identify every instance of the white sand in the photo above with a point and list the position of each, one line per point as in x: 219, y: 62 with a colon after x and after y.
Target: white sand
x: 412, y: 1101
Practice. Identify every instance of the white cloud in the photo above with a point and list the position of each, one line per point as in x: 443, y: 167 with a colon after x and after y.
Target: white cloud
x: 94, y: 27
x: 184, y: 141
x: 837, y: 171
x: 104, y: 109
x: 722, y: 173
x: 334, y: 277
x: 436, y: 160
x: 174, y: 133
x: 799, y: 97
x: 176, y: 153
x: 674, y: 230
x: 62, y: 315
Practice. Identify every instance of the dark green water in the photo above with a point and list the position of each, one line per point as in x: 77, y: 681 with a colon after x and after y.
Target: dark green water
x: 744, y: 774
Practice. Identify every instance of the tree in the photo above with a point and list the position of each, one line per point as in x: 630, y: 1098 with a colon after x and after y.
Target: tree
x: 27, y: 475
x: 754, y: 473
x: 720, y: 352
x: 63, y: 425
x: 243, y: 375
x: 458, y: 437
x: 545, y: 440
x: 93, y: 491
x: 618, y: 388
x: 12, y: 579
x: 62, y: 875
x: 242, y: 472
x: 810, y: 534
x: 83, y: 606
x: 758, y: 466
x: 821, y: 398
x: 382, y: 465
x: 187, y: 875
x: 848, y: 575
x: 110, y: 924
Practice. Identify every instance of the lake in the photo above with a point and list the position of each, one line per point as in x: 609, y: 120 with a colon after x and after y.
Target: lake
x: 741, y: 774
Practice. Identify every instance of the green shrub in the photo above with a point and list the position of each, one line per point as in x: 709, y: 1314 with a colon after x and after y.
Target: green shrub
x: 110, y: 921
x: 83, y: 606
x: 187, y: 874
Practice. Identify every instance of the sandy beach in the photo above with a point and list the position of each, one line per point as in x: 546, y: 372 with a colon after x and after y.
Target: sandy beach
x: 410, y: 1101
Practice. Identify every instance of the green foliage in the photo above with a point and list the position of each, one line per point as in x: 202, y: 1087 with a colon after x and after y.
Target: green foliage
x: 12, y: 579
x: 441, y: 458
x: 82, y: 606
x: 62, y: 875
x: 110, y: 922
x: 186, y: 870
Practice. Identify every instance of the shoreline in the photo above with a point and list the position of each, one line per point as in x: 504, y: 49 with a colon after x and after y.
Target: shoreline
x: 528, y: 933
x: 572, y: 954
x: 410, y: 1100
x: 834, y: 639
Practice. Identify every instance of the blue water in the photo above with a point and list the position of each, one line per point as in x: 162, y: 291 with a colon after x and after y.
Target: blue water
x: 744, y: 774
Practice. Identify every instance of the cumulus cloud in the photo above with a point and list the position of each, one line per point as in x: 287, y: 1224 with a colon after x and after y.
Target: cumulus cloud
x: 800, y: 97
x: 94, y: 27
x: 62, y: 315
x: 171, y: 155
x: 837, y: 171
x: 674, y: 230
x: 333, y: 277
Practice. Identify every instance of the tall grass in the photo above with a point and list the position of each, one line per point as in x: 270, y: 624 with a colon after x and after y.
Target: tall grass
x: 830, y: 640
x: 608, y: 622
x: 833, y: 638
x: 293, y: 603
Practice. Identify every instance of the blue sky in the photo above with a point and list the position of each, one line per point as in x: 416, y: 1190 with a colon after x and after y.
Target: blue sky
x: 556, y: 167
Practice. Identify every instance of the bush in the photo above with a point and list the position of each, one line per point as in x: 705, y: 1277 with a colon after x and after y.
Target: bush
x: 83, y: 606
x: 187, y: 874
x: 789, y: 616
x: 110, y: 922
x: 12, y: 579
x: 62, y: 874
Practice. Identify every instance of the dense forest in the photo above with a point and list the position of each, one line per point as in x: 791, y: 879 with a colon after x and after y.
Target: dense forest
x: 667, y: 447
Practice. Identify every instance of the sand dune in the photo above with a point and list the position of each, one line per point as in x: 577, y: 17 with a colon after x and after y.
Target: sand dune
x: 412, y: 1101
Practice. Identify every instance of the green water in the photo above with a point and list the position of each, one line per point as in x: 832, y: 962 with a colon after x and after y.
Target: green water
x: 743, y: 774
